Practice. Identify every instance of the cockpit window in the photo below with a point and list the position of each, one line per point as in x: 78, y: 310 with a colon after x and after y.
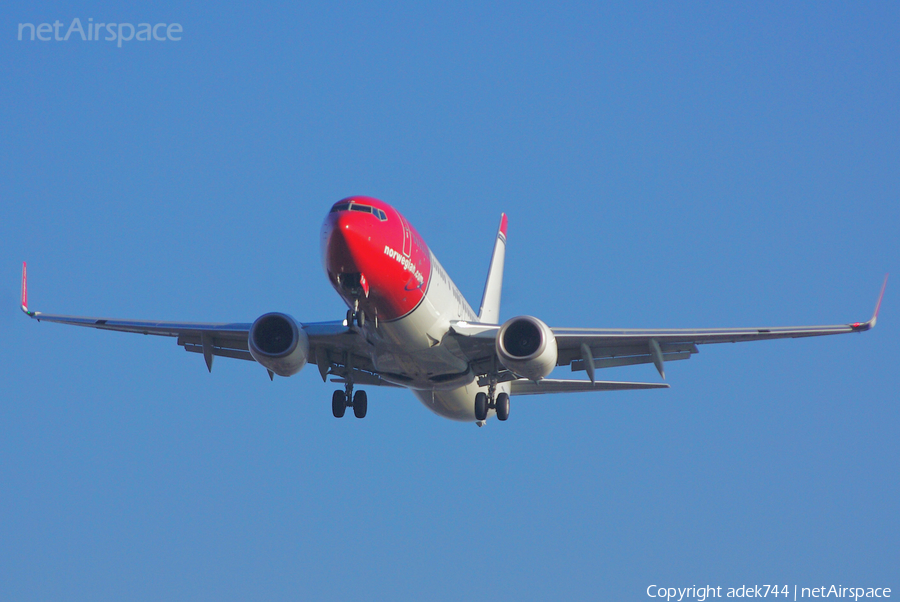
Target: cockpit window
x: 360, y: 207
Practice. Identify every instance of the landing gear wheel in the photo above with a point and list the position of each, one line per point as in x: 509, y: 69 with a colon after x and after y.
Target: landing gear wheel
x: 360, y: 404
x: 502, y: 406
x: 349, y: 317
x: 338, y: 403
x: 360, y: 318
x: 481, y: 406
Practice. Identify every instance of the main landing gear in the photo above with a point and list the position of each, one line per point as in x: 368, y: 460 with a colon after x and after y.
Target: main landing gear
x: 341, y: 400
x: 484, y: 402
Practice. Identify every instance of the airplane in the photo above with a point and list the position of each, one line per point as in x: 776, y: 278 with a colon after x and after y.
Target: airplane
x: 409, y: 326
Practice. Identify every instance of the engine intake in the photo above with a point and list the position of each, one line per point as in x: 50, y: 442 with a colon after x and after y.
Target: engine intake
x: 527, y: 346
x: 279, y: 343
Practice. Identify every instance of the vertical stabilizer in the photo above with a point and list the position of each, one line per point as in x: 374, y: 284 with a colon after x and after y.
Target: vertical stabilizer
x: 490, y: 300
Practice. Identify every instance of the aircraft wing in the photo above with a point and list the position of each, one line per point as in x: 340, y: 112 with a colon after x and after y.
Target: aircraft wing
x: 227, y: 339
x: 590, y: 349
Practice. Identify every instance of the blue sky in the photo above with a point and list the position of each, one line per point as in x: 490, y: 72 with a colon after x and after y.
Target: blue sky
x: 662, y: 165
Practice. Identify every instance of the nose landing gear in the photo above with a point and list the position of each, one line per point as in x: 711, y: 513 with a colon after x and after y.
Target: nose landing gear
x: 358, y: 316
x: 356, y: 287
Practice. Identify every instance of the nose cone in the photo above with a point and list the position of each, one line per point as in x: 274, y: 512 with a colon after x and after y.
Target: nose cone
x: 346, y: 238
x: 374, y: 258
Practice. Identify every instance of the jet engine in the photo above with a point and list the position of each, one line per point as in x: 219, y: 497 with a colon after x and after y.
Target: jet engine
x: 527, y: 346
x: 279, y: 343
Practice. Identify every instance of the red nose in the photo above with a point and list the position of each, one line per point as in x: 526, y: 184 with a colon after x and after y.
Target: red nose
x: 346, y: 241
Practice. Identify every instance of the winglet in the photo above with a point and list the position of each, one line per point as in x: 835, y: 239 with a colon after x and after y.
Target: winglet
x: 878, y: 305
x: 871, y: 322
x: 25, y: 292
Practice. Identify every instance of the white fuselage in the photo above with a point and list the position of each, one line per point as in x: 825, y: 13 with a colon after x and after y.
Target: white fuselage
x: 407, y: 346
x: 381, y: 267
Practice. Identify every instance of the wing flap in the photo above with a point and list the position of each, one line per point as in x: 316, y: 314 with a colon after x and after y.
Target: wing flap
x: 362, y: 377
x: 219, y: 341
x: 613, y: 362
x: 221, y: 352
x: 617, y: 354
x: 528, y: 387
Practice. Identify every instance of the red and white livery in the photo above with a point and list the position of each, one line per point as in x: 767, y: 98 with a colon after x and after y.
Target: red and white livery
x: 409, y: 326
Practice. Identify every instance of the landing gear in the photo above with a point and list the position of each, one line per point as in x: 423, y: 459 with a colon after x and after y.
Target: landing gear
x: 356, y: 315
x: 360, y: 404
x: 502, y: 406
x: 481, y: 406
x: 340, y: 401
x: 485, y: 402
x: 359, y: 317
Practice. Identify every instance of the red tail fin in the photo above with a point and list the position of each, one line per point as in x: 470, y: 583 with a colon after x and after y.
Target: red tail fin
x: 24, y: 290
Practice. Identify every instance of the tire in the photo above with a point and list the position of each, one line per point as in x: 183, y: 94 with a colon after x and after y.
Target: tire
x: 360, y: 404
x: 481, y: 406
x: 360, y: 318
x: 338, y: 404
x: 502, y: 406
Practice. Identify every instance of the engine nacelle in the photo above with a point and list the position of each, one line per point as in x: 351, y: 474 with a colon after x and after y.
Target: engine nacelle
x: 527, y: 346
x: 279, y: 343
